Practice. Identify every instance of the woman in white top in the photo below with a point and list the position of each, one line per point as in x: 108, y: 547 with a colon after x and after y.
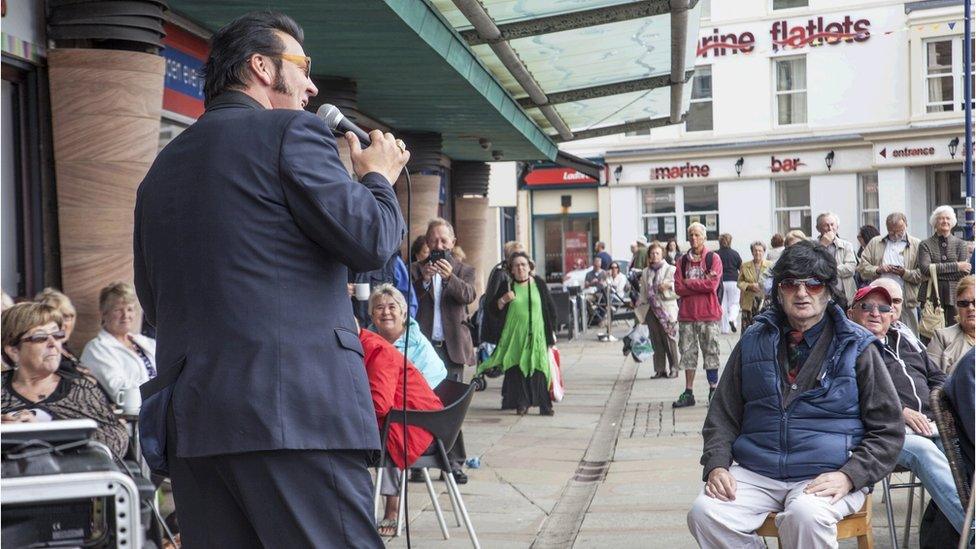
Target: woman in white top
x: 118, y: 357
x: 617, y: 281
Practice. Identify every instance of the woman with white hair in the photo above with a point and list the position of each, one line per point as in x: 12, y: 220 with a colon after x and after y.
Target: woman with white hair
x: 388, y: 313
x: 949, y: 254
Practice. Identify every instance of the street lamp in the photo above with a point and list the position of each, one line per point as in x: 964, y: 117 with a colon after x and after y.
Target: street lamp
x: 616, y: 173
x: 738, y: 166
x: 953, y: 146
x: 829, y: 160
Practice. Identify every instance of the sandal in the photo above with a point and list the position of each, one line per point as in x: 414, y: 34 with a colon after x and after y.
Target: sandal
x: 390, y: 527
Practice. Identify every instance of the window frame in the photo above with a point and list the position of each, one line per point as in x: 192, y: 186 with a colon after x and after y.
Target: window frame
x: 777, y: 208
x: 681, y: 212
x: 774, y: 9
x: 777, y: 93
x: 645, y: 215
x: 710, y: 100
x: 861, y: 209
x: 956, y: 72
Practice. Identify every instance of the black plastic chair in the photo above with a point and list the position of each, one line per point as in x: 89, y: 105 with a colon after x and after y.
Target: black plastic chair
x: 445, y: 425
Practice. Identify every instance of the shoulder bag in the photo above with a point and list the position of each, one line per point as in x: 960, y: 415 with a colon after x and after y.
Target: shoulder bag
x: 933, y: 317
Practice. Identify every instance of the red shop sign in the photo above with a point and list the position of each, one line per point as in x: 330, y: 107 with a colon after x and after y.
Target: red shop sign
x: 557, y: 176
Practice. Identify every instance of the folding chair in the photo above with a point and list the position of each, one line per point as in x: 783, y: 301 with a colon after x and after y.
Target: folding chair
x: 912, y: 484
x: 856, y: 525
x: 445, y: 425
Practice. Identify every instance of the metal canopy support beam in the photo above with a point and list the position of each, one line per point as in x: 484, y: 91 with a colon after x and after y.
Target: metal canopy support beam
x: 605, y: 90
x: 579, y: 164
x: 679, y: 34
x: 636, y: 125
x: 571, y: 21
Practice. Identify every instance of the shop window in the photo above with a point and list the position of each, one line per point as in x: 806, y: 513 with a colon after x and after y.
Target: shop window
x: 791, y: 90
x: 950, y: 189
x: 868, y: 200
x: 660, y: 221
x: 789, y: 4
x: 700, y: 111
x: 944, y: 74
x: 701, y: 206
x: 792, y: 206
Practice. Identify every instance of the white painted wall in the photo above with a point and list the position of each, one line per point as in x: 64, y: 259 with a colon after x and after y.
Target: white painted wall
x: 503, y: 185
x: 745, y: 212
x: 837, y: 194
x: 918, y: 207
x: 550, y: 202
x: 624, y: 216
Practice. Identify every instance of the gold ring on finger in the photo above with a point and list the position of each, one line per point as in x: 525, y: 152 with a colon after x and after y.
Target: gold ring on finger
x: 401, y: 145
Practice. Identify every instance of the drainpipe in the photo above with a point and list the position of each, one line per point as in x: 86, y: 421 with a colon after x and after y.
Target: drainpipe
x: 968, y: 98
x: 679, y: 35
x: 487, y: 29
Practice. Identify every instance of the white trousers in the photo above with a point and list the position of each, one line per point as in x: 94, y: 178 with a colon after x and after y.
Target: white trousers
x: 804, y: 521
x: 730, y: 305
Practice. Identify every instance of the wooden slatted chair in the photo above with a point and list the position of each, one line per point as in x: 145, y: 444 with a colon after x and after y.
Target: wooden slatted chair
x: 856, y: 525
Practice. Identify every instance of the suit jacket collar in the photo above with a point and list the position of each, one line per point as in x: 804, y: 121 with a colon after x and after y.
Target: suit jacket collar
x: 234, y: 99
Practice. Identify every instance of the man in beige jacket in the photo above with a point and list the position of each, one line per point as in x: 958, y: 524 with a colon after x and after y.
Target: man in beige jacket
x: 843, y: 252
x: 893, y: 256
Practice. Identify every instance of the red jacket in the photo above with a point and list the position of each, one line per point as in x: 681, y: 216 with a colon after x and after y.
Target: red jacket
x: 699, y: 302
x: 384, y: 368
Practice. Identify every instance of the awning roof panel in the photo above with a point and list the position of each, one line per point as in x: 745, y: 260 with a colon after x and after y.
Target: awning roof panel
x: 591, y: 55
x: 412, y: 70
x: 510, y: 11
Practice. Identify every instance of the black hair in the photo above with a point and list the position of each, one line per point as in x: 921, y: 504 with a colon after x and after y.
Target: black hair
x: 418, y: 244
x: 515, y: 255
x: 867, y: 232
x: 233, y: 45
x: 804, y: 259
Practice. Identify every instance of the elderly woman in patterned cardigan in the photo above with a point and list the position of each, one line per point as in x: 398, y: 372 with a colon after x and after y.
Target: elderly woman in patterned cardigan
x: 949, y: 254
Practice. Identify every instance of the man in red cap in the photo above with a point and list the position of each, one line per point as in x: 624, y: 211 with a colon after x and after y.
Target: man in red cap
x: 914, y: 376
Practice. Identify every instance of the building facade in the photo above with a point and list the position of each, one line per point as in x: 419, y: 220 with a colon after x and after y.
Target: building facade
x: 799, y: 107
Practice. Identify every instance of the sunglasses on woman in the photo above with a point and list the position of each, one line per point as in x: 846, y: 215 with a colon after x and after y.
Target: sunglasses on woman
x: 792, y: 285
x: 42, y: 338
x: 965, y: 303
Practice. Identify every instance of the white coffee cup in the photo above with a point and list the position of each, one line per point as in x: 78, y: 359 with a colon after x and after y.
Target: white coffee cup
x: 131, y: 401
x: 362, y: 292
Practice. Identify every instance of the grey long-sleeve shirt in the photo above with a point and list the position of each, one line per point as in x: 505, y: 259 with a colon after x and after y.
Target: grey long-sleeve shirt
x: 884, y: 427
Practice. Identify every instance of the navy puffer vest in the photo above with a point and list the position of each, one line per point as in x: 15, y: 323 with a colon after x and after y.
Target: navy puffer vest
x: 815, y: 433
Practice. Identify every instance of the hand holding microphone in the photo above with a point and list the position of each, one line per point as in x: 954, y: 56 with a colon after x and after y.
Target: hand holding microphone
x: 383, y: 154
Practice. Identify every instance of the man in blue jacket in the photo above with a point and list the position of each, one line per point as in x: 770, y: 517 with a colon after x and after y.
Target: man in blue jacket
x: 245, y: 227
x: 804, y: 421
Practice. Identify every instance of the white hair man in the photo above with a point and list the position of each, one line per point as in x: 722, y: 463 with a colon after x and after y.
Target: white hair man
x: 897, y: 305
x: 843, y: 251
x: 894, y: 257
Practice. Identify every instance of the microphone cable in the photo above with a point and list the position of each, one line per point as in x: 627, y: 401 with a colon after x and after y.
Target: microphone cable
x: 404, y: 477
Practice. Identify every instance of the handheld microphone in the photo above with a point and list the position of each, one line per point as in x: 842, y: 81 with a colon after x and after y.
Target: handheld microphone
x: 338, y: 123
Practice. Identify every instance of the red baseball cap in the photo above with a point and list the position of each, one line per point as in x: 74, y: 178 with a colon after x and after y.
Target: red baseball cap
x: 868, y: 290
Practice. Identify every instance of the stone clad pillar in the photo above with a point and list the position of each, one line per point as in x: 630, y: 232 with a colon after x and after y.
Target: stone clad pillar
x: 426, y: 173
x: 471, y: 213
x: 105, y: 111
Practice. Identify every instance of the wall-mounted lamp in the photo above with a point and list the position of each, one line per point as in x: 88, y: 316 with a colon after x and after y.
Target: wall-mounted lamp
x: 829, y: 160
x: 616, y: 173
x: 738, y: 166
x: 953, y: 146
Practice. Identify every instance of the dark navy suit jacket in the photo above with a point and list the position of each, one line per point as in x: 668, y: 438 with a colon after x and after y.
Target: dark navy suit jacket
x: 245, y: 226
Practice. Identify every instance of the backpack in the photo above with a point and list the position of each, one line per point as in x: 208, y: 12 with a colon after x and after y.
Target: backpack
x: 710, y: 260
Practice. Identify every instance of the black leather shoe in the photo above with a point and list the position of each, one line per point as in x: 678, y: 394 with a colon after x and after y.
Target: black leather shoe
x: 459, y: 476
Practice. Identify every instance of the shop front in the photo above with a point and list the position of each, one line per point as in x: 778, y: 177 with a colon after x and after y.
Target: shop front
x: 563, y: 207
x: 760, y: 189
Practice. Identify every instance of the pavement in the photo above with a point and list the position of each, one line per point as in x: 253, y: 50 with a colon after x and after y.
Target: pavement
x: 615, y: 467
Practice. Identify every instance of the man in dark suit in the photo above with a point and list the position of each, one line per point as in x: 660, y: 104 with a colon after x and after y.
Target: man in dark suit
x: 445, y: 287
x: 244, y: 229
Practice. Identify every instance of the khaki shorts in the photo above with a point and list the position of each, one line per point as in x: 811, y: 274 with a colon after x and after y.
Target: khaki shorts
x: 691, y: 336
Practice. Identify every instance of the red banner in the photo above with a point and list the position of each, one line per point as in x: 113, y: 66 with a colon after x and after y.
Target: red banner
x: 577, y: 249
x: 557, y: 176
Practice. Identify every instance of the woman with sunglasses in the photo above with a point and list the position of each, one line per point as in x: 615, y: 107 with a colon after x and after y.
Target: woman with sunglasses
x: 951, y: 343
x: 39, y: 389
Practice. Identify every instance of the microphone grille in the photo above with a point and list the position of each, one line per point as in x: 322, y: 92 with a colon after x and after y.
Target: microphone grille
x: 330, y: 114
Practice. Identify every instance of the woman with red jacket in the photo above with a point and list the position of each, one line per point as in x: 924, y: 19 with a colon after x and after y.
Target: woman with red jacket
x: 384, y: 369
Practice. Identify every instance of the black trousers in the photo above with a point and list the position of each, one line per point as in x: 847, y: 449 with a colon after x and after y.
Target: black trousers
x: 279, y: 498
x: 455, y: 372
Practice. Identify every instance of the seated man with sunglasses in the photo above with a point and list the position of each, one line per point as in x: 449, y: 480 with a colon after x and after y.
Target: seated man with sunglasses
x: 914, y: 376
x: 804, y: 421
